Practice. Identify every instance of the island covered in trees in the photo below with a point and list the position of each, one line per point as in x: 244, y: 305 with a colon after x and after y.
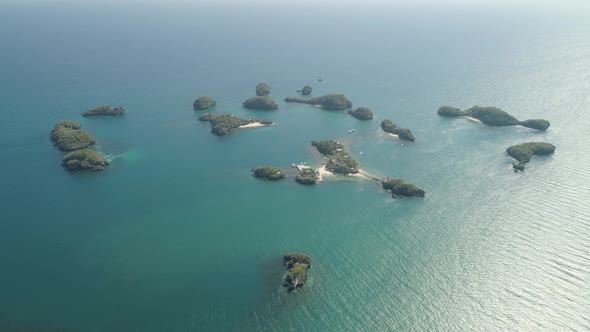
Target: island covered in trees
x: 260, y: 103
x: 223, y: 124
x: 306, y: 91
x: 68, y: 136
x: 104, y: 110
x: 84, y: 159
x: 203, y: 103
x: 403, y: 133
x: 307, y: 175
x: 268, y: 173
x: 339, y: 161
x: 493, y: 116
x: 334, y: 102
x: 262, y: 89
x: 524, y: 152
x: 362, y: 113
x: 400, y: 188
x: 297, y: 265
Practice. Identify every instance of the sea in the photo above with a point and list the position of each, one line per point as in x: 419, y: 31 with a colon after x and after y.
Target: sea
x: 177, y: 235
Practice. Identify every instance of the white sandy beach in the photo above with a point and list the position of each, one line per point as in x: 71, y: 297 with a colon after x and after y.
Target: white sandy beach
x: 472, y: 119
x: 252, y: 125
x: 393, y: 135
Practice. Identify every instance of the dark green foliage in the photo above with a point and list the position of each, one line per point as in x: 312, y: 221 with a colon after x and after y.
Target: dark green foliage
x: 329, y: 102
x: 104, y: 110
x: 68, y: 136
x: 524, y: 152
x: 342, y: 163
x: 328, y: 147
x: 268, y: 173
x: 297, y: 265
x: 403, y: 133
x: 203, y: 103
x: 362, y: 113
x: 450, y: 111
x: 266, y: 122
x: 84, y: 159
x: 307, y: 176
x: 538, y: 124
x: 306, y: 91
x: 261, y: 103
x: 399, y: 188
x: 222, y: 124
x: 492, y: 116
x: 262, y: 89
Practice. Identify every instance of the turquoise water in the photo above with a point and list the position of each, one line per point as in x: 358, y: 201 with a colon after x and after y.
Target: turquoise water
x: 177, y: 236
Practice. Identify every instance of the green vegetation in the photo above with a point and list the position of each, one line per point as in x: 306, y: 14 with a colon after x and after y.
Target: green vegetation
x: 104, y: 110
x: 297, y: 265
x: 403, y: 133
x: 538, y: 124
x: 68, y: 136
x: 84, y: 159
x: 399, y: 188
x: 222, y: 124
x: 362, y: 113
x: 306, y: 91
x: 262, y: 89
x: 524, y: 152
x: 261, y: 103
x: 339, y: 162
x: 450, y: 111
x: 307, y: 176
x: 203, y: 103
x: 334, y: 102
x: 268, y: 173
x: 493, y: 116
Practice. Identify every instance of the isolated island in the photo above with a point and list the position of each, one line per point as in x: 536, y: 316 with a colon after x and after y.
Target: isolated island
x: 339, y: 161
x: 68, y: 136
x: 262, y: 89
x: 268, y: 173
x: 260, y: 103
x: 524, y: 152
x: 306, y: 91
x: 493, y: 116
x: 400, y: 188
x: 223, y: 124
x: 84, y: 159
x: 333, y: 102
x: 392, y: 128
x: 203, y: 103
x: 362, y: 113
x: 297, y: 265
x: 104, y: 110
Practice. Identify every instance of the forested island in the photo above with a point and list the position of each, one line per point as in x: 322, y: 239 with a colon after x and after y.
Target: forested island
x: 104, y: 110
x: 297, y: 265
x: 493, y: 116
x: 362, y: 113
x: 306, y: 91
x: 223, y: 124
x: 260, y: 103
x: 268, y: 173
x: 339, y: 161
x: 203, y: 103
x: 335, y: 102
x: 68, y: 136
x: 262, y: 89
x: 307, y: 176
x: 403, y: 133
x: 400, y: 188
x: 524, y: 152
x: 84, y: 159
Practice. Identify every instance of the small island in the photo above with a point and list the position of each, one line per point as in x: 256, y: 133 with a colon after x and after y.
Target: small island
x: 306, y: 91
x: 297, y: 265
x: 339, y: 162
x: 524, y: 152
x: 392, y: 128
x: 307, y: 176
x: 262, y: 90
x: 203, y: 103
x: 493, y: 116
x: 399, y: 188
x: 261, y: 103
x: 68, y: 136
x: 223, y: 124
x: 104, y: 110
x: 268, y: 173
x: 334, y: 102
x: 362, y: 113
x: 84, y: 159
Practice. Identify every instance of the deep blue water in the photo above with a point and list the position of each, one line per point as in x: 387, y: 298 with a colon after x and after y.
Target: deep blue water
x: 176, y: 235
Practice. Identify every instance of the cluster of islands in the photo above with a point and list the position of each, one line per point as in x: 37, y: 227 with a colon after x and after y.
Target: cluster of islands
x: 68, y: 136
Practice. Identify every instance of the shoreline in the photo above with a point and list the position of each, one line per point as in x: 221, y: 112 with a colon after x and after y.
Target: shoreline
x: 473, y: 119
x: 252, y: 125
x: 393, y: 135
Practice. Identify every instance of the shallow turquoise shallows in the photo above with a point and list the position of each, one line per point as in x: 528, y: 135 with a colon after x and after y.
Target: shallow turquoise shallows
x: 176, y: 234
